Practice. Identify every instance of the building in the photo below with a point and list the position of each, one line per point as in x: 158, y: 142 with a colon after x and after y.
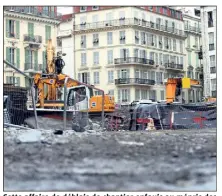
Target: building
x: 27, y: 30
x: 129, y: 51
x: 65, y: 43
x: 193, y: 43
x: 209, y: 34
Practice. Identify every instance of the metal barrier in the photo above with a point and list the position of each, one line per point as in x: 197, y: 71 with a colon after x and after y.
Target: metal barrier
x: 18, y: 91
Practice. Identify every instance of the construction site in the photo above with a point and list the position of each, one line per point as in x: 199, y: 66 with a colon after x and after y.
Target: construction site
x: 59, y: 135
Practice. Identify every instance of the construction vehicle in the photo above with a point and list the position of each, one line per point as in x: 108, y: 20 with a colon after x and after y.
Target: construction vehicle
x: 80, y: 97
x: 174, y: 88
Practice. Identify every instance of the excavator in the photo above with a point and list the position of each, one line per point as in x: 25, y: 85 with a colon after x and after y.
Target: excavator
x: 80, y: 96
x: 174, y: 88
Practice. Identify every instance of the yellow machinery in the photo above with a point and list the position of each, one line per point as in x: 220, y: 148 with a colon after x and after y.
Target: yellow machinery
x: 48, y: 86
x: 174, y: 87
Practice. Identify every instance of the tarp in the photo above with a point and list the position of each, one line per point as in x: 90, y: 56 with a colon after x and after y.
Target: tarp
x: 175, y: 116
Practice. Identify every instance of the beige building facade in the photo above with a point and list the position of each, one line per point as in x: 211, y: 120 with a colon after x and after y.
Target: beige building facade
x: 128, y: 51
x: 25, y: 36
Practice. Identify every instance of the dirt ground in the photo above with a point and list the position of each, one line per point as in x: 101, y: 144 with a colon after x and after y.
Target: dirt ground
x: 182, y: 160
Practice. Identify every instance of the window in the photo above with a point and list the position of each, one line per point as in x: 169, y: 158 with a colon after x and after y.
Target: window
x: 124, y: 53
x: 83, y: 59
x: 156, y: 59
x: 197, y: 60
x: 152, y: 95
x: 151, y: 55
x: 170, y: 44
x: 137, y: 37
x: 144, y: 94
x: 95, y: 39
x: 213, y: 84
x: 162, y: 95
x: 143, y: 40
x: 111, y: 92
x: 136, y: 52
x: 159, y: 78
x: 210, y: 19
x: 190, y: 74
x: 122, y: 37
x: 124, y: 95
x: 160, y: 58
x: 13, y: 80
x: 83, y: 41
x: 95, y: 58
x: 212, y: 60
x: 109, y: 17
x: 95, y: 20
x: 181, y: 47
x: 158, y: 9
x: 11, y: 28
x: 83, y: 8
x: 152, y: 75
x: 160, y: 42
x: 165, y: 11
x: 45, y: 10
x: 110, y: 77
x: 95, y: 7
x: 84, y: 77
x: 124, y: 73
x: 137, y: 94
x: 109, y: 38
x: 47, y: 31
x: 197, y: 12
x: 166, y: 43
x: 188, y: 41
x: 96, y: 77
x: 211, y: 41
x: 110, y: 56
x: 196, y: 43
x: 174, y: 45
x: 12, y: 55
x: 181, y: 60
x: 122, y: 17
x: 137, y: 73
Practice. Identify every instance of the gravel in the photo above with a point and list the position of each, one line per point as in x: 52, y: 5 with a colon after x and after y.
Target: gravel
x: 178, y: 160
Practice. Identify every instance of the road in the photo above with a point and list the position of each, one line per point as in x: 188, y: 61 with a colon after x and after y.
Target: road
x: 176, y: 160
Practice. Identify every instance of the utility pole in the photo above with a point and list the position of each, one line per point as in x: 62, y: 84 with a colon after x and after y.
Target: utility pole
x: 206, y: 63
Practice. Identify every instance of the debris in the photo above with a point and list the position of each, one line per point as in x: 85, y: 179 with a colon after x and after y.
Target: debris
x: 58, y: 132
x: 30, y: 136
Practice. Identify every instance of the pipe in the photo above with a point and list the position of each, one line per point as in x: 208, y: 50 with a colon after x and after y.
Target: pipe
x: 65, y: 103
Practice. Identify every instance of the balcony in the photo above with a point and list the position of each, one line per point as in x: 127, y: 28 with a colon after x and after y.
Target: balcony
x: 32, y: 10
x: 134, y: 60
x: 33, y: 67
x: 33, y: 39
x: 64, y: 33
x: 212, y: 70
x: 192, y: 29
x: 173, y: 66
x: 130, y: 22
x: 134, y: 81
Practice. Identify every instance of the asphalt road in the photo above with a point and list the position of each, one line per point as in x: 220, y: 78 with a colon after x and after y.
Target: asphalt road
x: 110, y: 161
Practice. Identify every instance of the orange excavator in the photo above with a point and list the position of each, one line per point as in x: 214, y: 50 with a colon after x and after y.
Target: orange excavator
x: 50, y: 84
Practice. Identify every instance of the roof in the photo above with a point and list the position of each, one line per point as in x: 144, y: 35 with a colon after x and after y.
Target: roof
x: 66, y: 17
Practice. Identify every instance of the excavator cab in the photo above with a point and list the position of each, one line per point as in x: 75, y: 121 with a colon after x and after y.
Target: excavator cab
x: 78, y: 98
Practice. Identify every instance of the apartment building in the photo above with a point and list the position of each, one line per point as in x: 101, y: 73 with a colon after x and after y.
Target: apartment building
x: 129, y: 51
x: 193, y: 44
x: 26, y: 31
x: 209, y: 33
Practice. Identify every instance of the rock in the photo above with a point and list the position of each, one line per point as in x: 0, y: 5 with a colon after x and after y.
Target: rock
x: 175, y: 154
x: 77, y: 128
x: 96, y: 126
x: 58, y: 132
x: 30, y: 136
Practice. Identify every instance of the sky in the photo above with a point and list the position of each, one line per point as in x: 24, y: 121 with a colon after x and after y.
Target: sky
x: 64, y: 10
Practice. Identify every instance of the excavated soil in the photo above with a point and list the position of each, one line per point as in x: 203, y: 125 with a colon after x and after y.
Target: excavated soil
x: 181, y: 160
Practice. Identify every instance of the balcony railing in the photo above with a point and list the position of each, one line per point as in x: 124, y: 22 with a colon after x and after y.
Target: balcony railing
x: 192, y: 29
x: 33, y: 39
x: 31, y: 10
x: 136, y: 60
x: 128, y: 21
x: 134, y: 81
x: 174, y: 66
x: 212, y: 70
x: 33, y: 67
